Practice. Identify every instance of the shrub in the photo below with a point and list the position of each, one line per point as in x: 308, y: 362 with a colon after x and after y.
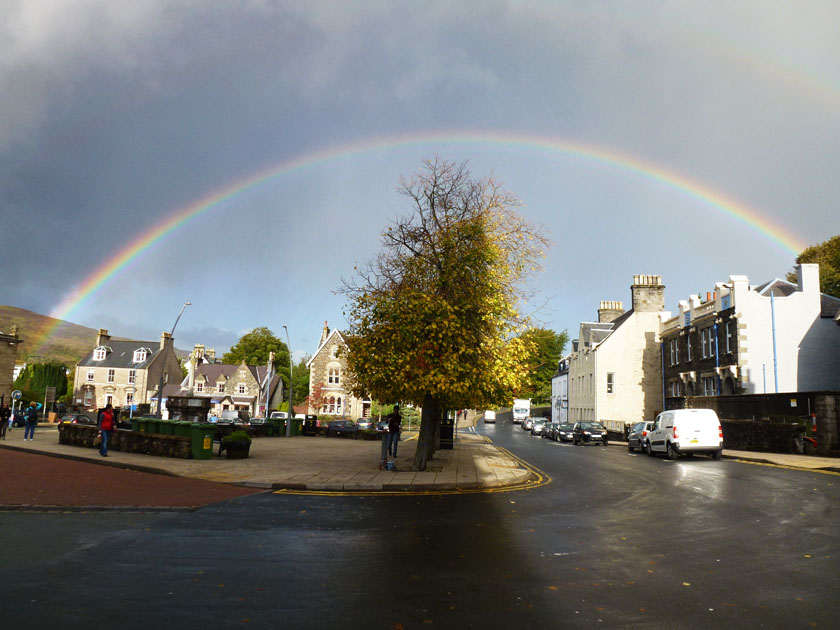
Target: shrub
x: 237, y: 438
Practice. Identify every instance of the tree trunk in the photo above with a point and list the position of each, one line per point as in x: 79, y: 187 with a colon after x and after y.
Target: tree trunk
x: 431, y: 415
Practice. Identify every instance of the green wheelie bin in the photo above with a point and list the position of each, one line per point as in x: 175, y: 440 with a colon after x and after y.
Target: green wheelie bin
x: 201, y: 445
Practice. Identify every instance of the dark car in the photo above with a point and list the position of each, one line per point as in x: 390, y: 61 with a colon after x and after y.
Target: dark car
x: 550, y: 430
x: 637, y: 437
x: 342, y: 427
x: 77, y: 418
x: 537, y: 426
x: 381, y: 426
x: 590, y: 433
x: 365, y: 424
x: 566, y: 432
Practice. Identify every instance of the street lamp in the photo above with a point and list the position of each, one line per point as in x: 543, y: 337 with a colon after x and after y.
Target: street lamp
x: 291, y: 413
x: 160, y: 385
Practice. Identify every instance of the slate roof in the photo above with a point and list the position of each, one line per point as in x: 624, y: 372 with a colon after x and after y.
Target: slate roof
x: 120, y: 354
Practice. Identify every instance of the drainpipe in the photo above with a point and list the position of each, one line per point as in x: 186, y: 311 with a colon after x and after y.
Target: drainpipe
x: 717, y: 361
x: 775, y: 358
x: 662, y: 362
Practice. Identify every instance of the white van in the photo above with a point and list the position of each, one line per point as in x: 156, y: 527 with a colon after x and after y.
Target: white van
x: 686, y: 432
x: 489, y: 416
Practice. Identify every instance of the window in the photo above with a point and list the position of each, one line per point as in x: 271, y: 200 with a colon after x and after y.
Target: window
x: 241, y: 388
x: 709, y: 386
x: 675, y: 351
x: 674, y: 388
x: 331, y: 408
x: 707, y: 337
x: 140, y: 355
x: 132, y: 376
x: 688, y: 347
x: 129, y: 398
x: 111, y: 376
x: 338, y: 405
x: 88, y: 398
x: 220, y: 387
x: 99, y: 354
x: 610, y: 383
x: 332, y: 377
x: 729, y: 335
x: 90, y: 375
x: 199, y: 387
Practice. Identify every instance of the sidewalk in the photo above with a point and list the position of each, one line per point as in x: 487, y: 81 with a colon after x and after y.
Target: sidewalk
x: 316, y: 464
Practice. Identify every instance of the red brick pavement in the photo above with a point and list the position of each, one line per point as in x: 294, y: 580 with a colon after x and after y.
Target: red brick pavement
x: 29, y: 479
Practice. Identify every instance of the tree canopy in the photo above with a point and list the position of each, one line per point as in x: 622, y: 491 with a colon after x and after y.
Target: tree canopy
x: 827, y: 255
x: 254, y: 348
x: 548, y: 350
x: 434, y: 318
x: 34, y: 379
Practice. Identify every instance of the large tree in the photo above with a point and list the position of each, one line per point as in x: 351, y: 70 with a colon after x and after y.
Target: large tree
x: 254, y: 348
x: 434, y: 318
x: 548, y: 350
x: 827, y: 255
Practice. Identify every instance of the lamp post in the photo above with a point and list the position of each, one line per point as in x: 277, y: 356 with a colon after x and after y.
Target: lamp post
x: 160, y: 385
x: 291, y: 413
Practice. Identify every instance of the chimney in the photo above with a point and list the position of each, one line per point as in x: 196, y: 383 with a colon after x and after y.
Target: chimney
x: 610, y: 311
x: 199, y: 352
x: 648, y: 294
x: 102, y: 337
x: 808, y: 277
x: 165, y: 338
x: 324, y: 333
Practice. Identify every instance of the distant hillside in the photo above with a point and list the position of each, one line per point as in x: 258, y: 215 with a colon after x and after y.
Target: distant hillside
x: 66, y: 342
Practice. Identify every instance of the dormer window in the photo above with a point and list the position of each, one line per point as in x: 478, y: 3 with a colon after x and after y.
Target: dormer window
x: 99, y: 353
x: 220, y: 387
x: 140, y: 355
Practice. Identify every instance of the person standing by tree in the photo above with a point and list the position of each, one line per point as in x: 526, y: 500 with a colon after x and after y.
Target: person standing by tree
x: 106, y: 426
x: 31, y: 421
x: 394, y: 421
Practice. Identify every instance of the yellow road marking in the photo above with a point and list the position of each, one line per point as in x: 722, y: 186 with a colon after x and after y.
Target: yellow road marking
x: 786, y: 467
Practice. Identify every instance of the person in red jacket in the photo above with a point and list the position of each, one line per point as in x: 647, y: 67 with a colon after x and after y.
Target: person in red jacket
x: 107, y: 423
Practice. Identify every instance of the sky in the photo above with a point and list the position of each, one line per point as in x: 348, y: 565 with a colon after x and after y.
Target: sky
x: 244, y: 156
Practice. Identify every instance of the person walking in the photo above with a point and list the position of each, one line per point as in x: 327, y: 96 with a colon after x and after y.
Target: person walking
x: 31, y: 416
x: 394, y: 421
x: 5, y: 416
x: 106, y: 422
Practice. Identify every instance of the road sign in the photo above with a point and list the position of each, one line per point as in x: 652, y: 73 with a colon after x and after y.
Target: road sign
x: 50, y: 394
x: 17, y: 394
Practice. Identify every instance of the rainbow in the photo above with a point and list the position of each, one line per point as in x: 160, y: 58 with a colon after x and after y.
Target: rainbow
x: 584, y: 152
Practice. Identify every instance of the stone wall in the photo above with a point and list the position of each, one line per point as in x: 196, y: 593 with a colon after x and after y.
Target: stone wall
x: 127, y: 441
x: 8, y: 354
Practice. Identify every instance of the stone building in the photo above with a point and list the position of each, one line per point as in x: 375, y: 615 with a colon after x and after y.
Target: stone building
x: 229, y: 387
x: 124, y: 372
x: 328, y: 380
x: 770, y: 338
x: 8, y: 355
x: 614, y: 368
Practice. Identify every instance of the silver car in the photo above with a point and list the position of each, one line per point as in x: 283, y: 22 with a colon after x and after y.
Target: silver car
x: 637, y: 437
x: 527, y: 423
x: 537, y: 426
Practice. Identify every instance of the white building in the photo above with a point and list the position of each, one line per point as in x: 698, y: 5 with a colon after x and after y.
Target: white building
x: 560, y: 392
x: 614, y: 368
x: 770, y: 338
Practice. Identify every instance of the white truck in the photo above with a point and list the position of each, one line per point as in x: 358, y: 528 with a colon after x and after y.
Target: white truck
x: 521, y: 409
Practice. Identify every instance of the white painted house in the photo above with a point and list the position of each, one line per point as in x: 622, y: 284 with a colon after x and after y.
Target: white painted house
x: 775, y: 337
x: 560, y: 392
x: 614, y: 368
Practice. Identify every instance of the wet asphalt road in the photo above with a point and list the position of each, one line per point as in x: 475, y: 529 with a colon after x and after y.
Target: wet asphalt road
x: 615, y: 540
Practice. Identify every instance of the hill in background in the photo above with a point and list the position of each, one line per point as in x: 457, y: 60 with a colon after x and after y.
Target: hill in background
x: 68, y: 343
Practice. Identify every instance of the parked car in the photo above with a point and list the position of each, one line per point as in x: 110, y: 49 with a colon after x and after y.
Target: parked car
x: 343, y: 427
x: 282, y: 415
x: 381, y: 426
x: 489, y: 417
x: 637, y: 438
x: 365, y: 424
x: 550, y: 430
x: 77, y: 418
x: 537, y: 426
x: 566, y: 432
x: 258, y: 421
x: 527, y: 423
x: 589, y: 433
x: 686, y: 432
